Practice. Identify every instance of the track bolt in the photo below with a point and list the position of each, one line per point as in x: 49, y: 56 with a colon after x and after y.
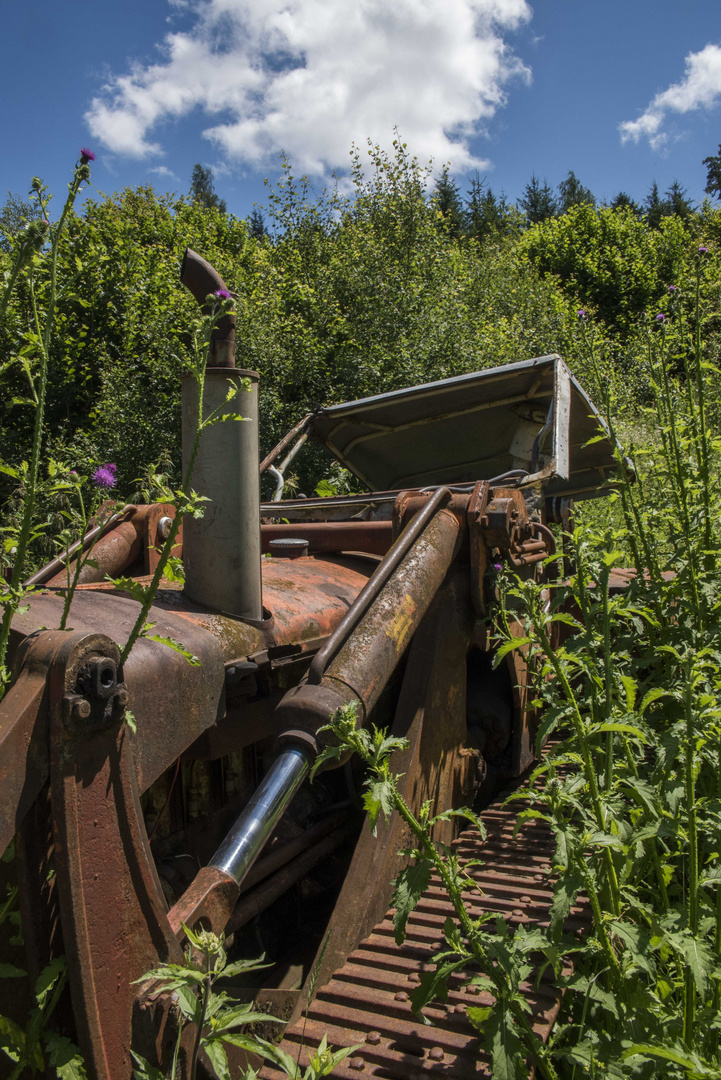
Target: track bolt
x: 414, y: 977
x: 436, y: 1053
x: 402, y: 996
x: 356, y: 1063
x: 373, y: 1037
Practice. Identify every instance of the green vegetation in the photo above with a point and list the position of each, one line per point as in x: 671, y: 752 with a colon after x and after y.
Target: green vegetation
x: 337, y: 294
x: 631, y: 786
x: 391, y: 285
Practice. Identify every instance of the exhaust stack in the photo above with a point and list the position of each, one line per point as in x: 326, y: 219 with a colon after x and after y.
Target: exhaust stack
x: 221, y: 550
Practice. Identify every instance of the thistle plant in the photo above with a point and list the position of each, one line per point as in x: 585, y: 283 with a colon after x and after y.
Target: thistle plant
x: 215, y: 1015
x: 633, y: 694
x: 36, y: 252
x: 98, y: 511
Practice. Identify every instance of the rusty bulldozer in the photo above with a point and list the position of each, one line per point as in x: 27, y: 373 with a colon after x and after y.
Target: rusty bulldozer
x: 294, y: 608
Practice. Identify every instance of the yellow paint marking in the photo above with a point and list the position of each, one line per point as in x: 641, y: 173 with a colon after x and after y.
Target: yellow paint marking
x: 401, y: 625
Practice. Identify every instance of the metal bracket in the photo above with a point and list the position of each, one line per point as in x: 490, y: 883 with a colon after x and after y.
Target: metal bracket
x: 114, y: 923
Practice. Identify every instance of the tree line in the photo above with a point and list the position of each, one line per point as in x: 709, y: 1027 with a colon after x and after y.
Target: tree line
x: 339, y: 293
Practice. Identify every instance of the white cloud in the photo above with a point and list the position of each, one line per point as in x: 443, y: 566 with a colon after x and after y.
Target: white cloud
x: 700, y: 88
x: 163, y: 170
x: 311, y: 76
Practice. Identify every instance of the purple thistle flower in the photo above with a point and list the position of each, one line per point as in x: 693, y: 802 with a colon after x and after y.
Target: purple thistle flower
x: 703, y: 250
x: 672, y: 289
x: 113, y: 468
x: 498, y: 567
x: 104, y: 477
x: 582, y: 313
x: 86, y: 155
x: 660, y: 318
x: 222, y: 294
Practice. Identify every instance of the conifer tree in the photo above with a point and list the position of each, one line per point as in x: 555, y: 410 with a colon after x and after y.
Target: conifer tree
x: 623, y: 201
x: 676, y: 202
x: 653, y: 207
x: 537, y: 201
x: 571, y: 192
x: 202, y: 189
x: 713, y: 174
x: 488, y: 216
x: 473, y: 211
x: 256, y: 225
x: 448, y: 200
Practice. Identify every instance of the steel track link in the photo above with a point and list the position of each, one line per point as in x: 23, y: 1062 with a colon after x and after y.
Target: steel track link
x: 367, y: 1000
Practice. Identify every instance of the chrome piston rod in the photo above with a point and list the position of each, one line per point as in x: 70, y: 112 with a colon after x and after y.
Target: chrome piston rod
x: 246, y: 839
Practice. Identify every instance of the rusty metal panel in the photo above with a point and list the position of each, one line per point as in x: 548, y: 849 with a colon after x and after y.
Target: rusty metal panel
x: 472, y: 427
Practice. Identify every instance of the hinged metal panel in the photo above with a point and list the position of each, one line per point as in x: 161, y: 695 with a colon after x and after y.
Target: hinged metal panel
x: 531, y: 416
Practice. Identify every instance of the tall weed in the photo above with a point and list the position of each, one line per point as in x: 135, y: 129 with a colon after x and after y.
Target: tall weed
x: 634, y: 692
x: 627, y: 668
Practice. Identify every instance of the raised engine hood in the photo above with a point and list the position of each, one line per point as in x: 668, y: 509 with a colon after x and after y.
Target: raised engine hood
x: 476, y: 427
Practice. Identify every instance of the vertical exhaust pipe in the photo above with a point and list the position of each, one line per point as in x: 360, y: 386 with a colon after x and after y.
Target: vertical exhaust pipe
x: 221, y: 550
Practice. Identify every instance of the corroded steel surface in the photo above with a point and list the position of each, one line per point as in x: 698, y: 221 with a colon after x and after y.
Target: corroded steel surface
x: 111, y: 553
x: 211, y: 897
x: 173, y: 702
x: 367, y: 1002
x: 113, y: 914
x: 154, y: 538
x: 371, y: 536
x: 436, y: 766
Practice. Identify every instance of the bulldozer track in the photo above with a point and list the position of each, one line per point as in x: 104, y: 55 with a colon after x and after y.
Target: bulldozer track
x: 367, y: 1002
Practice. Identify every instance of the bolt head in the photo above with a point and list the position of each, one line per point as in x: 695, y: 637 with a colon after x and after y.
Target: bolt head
x: 81, y: 709
x: 164, y: 526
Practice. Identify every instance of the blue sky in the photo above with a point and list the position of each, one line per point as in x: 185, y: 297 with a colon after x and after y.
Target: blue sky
x: 623, y: 92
